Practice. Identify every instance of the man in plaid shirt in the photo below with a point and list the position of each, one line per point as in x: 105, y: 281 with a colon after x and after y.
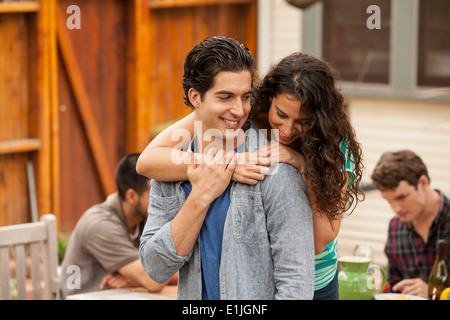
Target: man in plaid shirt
x: 422, y: 217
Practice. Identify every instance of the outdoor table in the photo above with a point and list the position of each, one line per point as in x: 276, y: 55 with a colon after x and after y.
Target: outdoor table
x: 125, y: 294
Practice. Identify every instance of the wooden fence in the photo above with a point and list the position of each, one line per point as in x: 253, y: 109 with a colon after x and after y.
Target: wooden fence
x: 74, y: 101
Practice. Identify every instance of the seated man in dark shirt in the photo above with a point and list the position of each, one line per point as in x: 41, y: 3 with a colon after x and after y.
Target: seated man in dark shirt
x: 422, y: 218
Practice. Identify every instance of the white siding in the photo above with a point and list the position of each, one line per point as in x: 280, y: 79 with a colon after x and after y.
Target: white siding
x: 286, y: 30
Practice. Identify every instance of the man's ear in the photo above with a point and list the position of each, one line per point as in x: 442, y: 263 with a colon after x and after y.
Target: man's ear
x: 194, y: 97
x: 424, y: 181
x: 131, y: 196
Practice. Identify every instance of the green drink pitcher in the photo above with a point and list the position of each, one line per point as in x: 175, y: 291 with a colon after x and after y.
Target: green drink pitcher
x: 355, y: 280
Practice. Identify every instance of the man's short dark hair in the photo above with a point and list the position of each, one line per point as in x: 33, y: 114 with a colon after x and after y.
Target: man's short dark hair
x: 128, y: 178
x: 208, y: 58
x: 397, y: 166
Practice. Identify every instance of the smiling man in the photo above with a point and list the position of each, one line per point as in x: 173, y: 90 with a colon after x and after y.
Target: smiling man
x: 228, y: 240
x: 422, y: 218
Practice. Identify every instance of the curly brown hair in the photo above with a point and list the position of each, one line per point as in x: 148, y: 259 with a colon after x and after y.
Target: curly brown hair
x: 313, y: 81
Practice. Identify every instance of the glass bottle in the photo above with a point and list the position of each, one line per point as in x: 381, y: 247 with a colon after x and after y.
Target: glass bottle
x: 438, y: 280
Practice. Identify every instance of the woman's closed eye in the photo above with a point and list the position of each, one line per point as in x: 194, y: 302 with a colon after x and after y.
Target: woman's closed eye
x: 281, y: 115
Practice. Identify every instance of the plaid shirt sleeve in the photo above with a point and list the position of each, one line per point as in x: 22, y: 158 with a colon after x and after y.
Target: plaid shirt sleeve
x: 394, y: 274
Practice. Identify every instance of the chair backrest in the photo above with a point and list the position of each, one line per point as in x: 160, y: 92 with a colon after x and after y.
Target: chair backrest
x: 39, y: 239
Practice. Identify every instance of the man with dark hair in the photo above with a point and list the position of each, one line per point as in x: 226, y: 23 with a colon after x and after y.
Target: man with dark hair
x: 228, y: 240
x: 103, y: 247
x: 422, y: 218
x: 127, y: 178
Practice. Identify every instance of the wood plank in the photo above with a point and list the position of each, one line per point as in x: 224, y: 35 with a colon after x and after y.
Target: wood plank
x: 14, y: 115
x: 104, y: 169
x: 23, y: 233
x: 50, y: 257
x: 164, y: 4
x: 14, y: 205
x: 5, y: 274
x: 140, y: 66
x: 55, y: 140
x: 44, y: 103
x: 22, y: 6
x: 250, y: 23
x: 164, y: 67
x: 20, y: 145
x: 35, y: 270
x: 20, y: 272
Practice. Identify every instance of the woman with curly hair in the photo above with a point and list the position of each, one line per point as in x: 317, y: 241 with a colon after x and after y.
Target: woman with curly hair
x: 298, y: 97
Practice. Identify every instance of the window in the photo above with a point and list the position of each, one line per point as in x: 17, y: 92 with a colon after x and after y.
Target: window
x: 434, y: 43
x: 357, y: 52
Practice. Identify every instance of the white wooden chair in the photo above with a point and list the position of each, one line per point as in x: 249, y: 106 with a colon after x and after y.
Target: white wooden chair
x: 35, y: 238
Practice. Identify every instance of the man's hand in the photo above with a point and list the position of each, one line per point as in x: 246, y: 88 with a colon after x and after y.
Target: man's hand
x: 416, y: 287
x: 276, y: 152
x: 251, y: 168
x: 116, y: 280
x: 209, y: 180
x: 211, y: 177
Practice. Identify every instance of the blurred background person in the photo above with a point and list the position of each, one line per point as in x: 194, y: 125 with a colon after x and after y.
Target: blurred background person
x: 105, y: 241
x: 422, y: 217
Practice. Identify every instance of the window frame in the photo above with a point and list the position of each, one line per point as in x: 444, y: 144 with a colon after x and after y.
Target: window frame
x: 404, y: 59
x: 380, y: 79
x: 433, y: 81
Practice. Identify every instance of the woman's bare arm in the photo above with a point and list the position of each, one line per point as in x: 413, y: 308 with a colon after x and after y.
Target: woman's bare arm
x: 325, y: 228
x: 164, y: 159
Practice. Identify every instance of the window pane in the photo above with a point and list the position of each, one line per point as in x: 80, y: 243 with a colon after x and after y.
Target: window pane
x: 357, y: 52
x: 434, y: 43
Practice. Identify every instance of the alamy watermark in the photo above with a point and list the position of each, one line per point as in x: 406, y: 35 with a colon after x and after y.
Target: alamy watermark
x: 74, y: 280
x: 226, y: 142
x: 372, y: 22
x: 74, y: 20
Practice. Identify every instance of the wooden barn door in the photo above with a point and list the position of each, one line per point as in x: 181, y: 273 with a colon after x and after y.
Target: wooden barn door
x: 92, y: 103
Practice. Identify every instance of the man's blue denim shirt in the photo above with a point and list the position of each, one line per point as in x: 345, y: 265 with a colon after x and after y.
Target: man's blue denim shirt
x: 268, y: 242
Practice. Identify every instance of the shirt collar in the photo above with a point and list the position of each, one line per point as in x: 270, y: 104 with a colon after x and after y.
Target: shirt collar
x: 437, y: 220
x: 113, y: 200
x: 439, y: 216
